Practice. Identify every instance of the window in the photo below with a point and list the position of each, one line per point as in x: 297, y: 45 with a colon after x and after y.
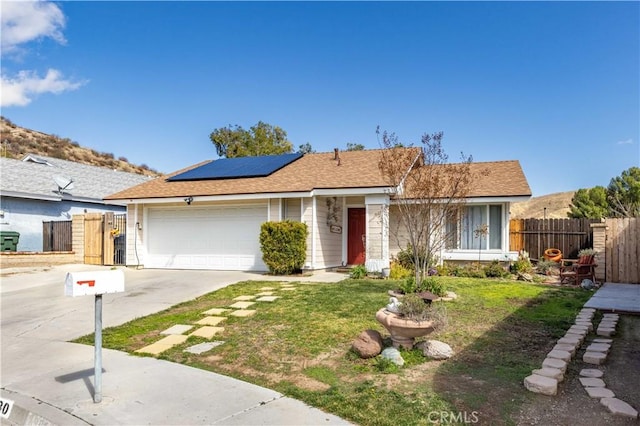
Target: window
x: 462, y: 233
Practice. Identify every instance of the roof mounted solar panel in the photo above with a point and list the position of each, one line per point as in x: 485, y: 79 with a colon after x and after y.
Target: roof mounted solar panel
x: 235, y: 168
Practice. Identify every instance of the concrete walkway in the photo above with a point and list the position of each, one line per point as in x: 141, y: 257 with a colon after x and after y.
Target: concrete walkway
x: 623, y: 298
x: 51, y: 380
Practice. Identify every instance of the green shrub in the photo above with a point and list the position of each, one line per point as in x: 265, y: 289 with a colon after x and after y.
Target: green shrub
x: 495, y: 270
x: 284, y: 246
x: 399, y: 272
x: 545, y: 266
x: 405, y: 258
x: 358, y: 272
x: 523, y: 264
x: 409, y: 285
x: 434, y: 286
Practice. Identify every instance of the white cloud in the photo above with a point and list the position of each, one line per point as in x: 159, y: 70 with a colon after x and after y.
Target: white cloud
x: 25, y: 21
x: 625, y: 142
x: 20, y: 90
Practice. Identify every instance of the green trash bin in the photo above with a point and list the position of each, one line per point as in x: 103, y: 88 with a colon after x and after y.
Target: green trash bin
x: 9, y: 240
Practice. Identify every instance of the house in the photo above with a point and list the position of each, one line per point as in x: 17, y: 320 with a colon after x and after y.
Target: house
x: 38, y: 189
x: 208, y: 216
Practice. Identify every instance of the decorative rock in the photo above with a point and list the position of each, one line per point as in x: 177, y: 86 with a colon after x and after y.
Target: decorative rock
x: 525, y: 277
x: 601, y: 340
x: 606, y: 332
x: 563, y: 355
x: 596, y: 358
x: 555, y: 363
x: 592, y: 382
x: 599, y: 347
x: 617, y: 406
x: 541, y: 384
x: 368, y: 344
x: 451, y: 295
x: 436, y: 349
x: 591, y: 372
x: 553, y: 373
x: 564, y: 347
x: 600, y: 393
x: 393, y: 355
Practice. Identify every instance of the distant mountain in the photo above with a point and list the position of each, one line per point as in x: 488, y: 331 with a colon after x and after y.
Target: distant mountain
x: 18, y: 141
x: 557, y: 206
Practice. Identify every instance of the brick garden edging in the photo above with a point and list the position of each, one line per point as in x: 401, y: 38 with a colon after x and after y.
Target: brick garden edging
x: 545, y: 380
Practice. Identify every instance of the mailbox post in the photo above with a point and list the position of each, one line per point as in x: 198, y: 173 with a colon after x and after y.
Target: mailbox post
x: 95, y: 283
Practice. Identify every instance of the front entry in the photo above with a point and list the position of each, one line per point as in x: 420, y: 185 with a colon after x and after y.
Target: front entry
x: 356, y: 237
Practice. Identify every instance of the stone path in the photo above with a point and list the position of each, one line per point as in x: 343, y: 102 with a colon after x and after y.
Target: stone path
x: 546, y: 379
x: 208, y: 325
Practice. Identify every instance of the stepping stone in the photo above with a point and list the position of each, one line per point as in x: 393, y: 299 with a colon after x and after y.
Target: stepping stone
x: 577, y: 332
x: 591, y: 372
x: 243, y: 313
x: 606, y: 332
x: 207, y: 331
x: 587, y: 324
x: 163, y: 344
x: 265, y: 293
x: 244, y: 298
x: 211, y: 320
x: 600, y: 393
x: 267, y: 298
x: 563, y: 355
x: 203, y: 347
x: 607, y: 325
x: 553, y: 373
x: 587, y: 311
x: 266, y: 288
x: 599, y: 347
x: 215, y: 311
x: 541, y: 384
x: 596, y: 358
x: 242, y: 305
x: 564, y: 347
x: 571, y: 339
x: 619, y: 407
x: 601, y: 340
x: 177, y: 329
x: 611, y: 316
x: 584, y: 317
x: 288, y: 288
x: 555, y: 363
x: 592, y: 382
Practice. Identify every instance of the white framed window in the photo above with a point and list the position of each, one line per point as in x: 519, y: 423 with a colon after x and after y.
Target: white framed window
x: 465, y: 233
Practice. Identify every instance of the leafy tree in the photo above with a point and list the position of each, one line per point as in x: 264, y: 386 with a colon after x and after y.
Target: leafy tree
x: 306, y: 148
x: 589, y: 203
x: 354, y: 146
x: 260, y: 139
x: 428, y: 198
x: 623, y: 194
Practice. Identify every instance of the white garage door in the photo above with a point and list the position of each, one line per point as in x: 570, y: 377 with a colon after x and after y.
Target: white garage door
x: 218, y: 238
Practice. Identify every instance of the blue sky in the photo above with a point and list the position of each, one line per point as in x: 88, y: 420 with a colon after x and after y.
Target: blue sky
x: 555, y: 85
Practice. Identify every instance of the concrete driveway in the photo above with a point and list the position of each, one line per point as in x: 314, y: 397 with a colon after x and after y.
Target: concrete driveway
x: 49, y: 378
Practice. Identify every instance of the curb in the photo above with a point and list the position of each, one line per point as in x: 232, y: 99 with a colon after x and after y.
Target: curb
x: 31, y: 411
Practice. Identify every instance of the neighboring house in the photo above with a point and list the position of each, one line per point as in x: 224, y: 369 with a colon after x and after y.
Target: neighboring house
x: 39, y: 189
x: 209, y: 216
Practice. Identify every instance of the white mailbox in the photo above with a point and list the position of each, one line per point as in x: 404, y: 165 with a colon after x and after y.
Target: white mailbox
x: 93, y: 282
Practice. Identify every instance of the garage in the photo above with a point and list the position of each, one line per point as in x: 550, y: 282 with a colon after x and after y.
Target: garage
x: 205, y: 237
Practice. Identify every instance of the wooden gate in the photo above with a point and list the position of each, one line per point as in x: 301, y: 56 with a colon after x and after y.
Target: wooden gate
x: 623, y: 250
x: 93, y: 238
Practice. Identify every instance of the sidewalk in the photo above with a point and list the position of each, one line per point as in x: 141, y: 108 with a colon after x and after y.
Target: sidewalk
x: 51, y: 380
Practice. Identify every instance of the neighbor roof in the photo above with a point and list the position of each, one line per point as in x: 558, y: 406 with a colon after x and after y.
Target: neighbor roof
x: 356, y: 169
x: 34, y: 177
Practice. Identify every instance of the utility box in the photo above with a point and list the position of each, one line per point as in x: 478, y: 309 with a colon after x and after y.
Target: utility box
x: 93, y: 282
x: 9, y: 240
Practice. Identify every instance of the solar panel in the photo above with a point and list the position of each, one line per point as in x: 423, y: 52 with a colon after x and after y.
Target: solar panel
x: 242, y: 167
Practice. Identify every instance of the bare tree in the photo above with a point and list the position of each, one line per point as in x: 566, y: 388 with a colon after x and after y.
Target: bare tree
x: 429, y: 198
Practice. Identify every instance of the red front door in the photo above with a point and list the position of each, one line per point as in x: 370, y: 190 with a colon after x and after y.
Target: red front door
x: 356, y: 237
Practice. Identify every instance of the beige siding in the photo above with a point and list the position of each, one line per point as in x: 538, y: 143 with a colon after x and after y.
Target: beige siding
x: 292, y: 209
x: 398, y: 236
x: 374, y: 231
x: 135, y: 248
x: 328, y: 244
x: 274, y: 209
x: 307, y: 217
x: 355, y: 200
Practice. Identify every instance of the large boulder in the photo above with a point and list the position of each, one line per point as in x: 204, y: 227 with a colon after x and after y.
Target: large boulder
x: 435, y: 349
x: 368, y: 344
x: 393, y: 355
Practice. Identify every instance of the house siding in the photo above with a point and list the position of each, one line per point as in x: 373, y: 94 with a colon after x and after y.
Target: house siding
x: 328, y: 244
x: 292, y: 209
x: 306, y: 210
x: 274, y: 210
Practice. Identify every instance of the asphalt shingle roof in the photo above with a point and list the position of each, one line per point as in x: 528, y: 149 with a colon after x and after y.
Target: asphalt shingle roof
x: 356, y: 169
x: 35, y: 179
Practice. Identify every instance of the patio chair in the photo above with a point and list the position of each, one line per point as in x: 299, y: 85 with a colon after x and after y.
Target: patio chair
x: 573, y: 271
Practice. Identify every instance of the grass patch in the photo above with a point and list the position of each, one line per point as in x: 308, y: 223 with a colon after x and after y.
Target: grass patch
x: 300, y: 345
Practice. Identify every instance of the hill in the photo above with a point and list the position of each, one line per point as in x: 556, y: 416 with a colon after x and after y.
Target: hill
x: 18, y: 141
x: 557, y: 206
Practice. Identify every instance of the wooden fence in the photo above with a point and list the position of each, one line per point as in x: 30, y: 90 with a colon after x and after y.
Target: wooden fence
x: 537, y: 235
x: 57, y: 236
x: 622, y: 250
